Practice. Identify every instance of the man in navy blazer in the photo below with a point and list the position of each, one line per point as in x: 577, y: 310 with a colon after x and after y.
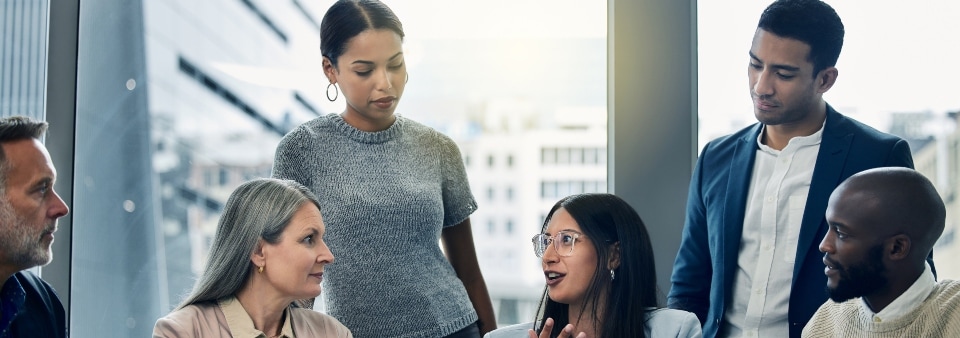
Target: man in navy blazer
x: 29, y: 210
x: 748, y: 263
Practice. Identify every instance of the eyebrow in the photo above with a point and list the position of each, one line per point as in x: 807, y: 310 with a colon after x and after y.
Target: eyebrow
x: 776, y: 66
x: 46, y: 180
x: 365, y: 62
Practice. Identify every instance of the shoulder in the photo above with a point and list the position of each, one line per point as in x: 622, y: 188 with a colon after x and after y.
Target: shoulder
x: 420, y: 130
x: 673, y: 323
x: 32, y: 284
x: 191, y: 320
x: 840, y: 123
x: 724, y: 145
x: 948, y: 291
x: 310, y: 129
x: 512, y: 331
x: 310, y: 323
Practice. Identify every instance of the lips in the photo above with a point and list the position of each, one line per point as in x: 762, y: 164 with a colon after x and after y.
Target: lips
x: 764, y: 105
x: 830, y: 267
x: 553, y: 277
x: 384, y: 103
x: 318, y: 275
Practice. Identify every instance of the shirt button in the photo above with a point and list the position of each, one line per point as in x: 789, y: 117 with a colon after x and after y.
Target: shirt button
x: 770, y: 199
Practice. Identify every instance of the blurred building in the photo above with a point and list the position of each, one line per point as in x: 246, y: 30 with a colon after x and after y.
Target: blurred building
x: 937, y: 156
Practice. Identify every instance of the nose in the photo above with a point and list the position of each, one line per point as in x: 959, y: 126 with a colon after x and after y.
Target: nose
x: 550, y: 255
x: 763, y: 85
x: 58, y: 208
x: 324, y: 255
x: 384, y: 81
x: 826, y: 244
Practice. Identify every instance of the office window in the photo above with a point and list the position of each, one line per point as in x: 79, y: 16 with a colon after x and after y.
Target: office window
x: 180, y: 98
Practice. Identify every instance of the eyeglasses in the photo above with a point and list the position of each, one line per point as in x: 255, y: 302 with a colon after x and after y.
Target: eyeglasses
x: 563, y: 242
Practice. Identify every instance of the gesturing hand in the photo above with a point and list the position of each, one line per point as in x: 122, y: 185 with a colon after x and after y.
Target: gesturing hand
x: 567, y: 331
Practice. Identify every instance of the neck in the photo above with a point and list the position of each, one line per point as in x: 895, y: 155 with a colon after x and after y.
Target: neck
x: 6, y: 272
x: 897, y: 286
x: 368, y: 125
x: 583, y: 320
x: 777, y: 136
x: 263, y: 307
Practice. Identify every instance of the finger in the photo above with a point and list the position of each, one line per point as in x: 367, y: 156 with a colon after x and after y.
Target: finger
x: 531, y: 333
x: 547, y: 328
x: 567, y: 331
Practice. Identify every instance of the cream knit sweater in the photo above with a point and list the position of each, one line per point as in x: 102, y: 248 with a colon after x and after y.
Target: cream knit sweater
x: 938, y: 316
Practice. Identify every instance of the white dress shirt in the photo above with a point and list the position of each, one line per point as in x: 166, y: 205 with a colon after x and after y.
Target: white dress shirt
x: 768, y: 244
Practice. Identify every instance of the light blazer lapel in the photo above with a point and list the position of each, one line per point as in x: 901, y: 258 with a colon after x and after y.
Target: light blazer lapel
x: 834, y: 147
x: 738, y: 184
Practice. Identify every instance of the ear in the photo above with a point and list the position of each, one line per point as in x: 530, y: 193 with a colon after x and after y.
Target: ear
x: 826, y: 79
x: 898, y: 247
x: 257, y: 256
x: 329, y: 70
x: 614, y: 254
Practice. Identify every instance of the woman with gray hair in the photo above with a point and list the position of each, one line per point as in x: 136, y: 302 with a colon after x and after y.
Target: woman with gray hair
x: 268, y: 251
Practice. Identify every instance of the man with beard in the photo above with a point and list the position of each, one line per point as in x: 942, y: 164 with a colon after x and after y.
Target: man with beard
x: 883, y: 225
x: 29, y: 209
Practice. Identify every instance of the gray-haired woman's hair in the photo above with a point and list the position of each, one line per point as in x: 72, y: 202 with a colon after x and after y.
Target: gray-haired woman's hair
x: 258, y: 209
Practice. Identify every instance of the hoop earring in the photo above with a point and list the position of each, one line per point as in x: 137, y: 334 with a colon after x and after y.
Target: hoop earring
x: 612, y: 274
x: 407, y: 79
x: 336, y: 92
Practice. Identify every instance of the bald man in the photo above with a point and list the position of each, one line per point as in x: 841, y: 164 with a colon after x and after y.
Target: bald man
x: 883, y: 224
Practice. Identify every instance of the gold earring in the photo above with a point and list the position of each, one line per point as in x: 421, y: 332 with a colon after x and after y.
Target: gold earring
x: 260, y: 269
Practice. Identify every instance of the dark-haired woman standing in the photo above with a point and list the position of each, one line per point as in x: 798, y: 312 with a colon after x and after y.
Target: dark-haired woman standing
x: 390, y: 188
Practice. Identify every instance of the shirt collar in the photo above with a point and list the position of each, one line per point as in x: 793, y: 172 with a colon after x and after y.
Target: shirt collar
x: 907, y: 301
x: 794, y: 143
x: 241, y: 325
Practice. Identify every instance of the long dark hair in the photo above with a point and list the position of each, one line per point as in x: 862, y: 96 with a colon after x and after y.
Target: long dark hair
x: 348, y: 18
x: 606, y: 219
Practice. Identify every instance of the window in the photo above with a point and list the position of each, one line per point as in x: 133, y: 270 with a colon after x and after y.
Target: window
x: 193, y: 96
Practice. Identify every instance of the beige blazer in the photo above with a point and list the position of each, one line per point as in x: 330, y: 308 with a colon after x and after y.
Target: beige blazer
x: 227, y: 318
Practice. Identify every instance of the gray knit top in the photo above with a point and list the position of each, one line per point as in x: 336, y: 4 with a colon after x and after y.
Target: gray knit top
x: 385, y: 197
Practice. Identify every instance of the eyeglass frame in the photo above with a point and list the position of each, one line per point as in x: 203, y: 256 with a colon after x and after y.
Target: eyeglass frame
x: 537, y: 240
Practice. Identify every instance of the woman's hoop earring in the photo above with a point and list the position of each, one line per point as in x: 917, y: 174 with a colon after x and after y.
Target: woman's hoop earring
x: 612, y: 274
x: 336, y: 92
x: 407, y: 79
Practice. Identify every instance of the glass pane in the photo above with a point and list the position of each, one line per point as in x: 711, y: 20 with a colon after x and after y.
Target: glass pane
x: 181, y: 101
x: 23, y: 58
x: 891, y: 76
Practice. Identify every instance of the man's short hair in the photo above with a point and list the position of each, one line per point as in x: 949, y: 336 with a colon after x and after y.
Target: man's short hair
x: 17, y: 128
x: 810, y: 21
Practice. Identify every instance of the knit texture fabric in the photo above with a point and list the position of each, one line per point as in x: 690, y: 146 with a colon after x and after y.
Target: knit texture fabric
x: 385, y: 197
x: 938, y: 316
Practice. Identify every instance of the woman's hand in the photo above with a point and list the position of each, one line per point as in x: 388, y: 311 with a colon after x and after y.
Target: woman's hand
x: 548, y: 326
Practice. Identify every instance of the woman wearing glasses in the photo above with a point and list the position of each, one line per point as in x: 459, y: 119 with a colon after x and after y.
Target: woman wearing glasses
x: 601, y: 281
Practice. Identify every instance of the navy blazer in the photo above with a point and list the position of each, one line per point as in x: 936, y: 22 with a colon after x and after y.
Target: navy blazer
x: 717, y: 201
x: 42, y: 315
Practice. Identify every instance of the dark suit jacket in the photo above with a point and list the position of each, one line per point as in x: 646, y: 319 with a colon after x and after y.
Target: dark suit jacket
x: 703, y: 274
x: 43, y: 314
